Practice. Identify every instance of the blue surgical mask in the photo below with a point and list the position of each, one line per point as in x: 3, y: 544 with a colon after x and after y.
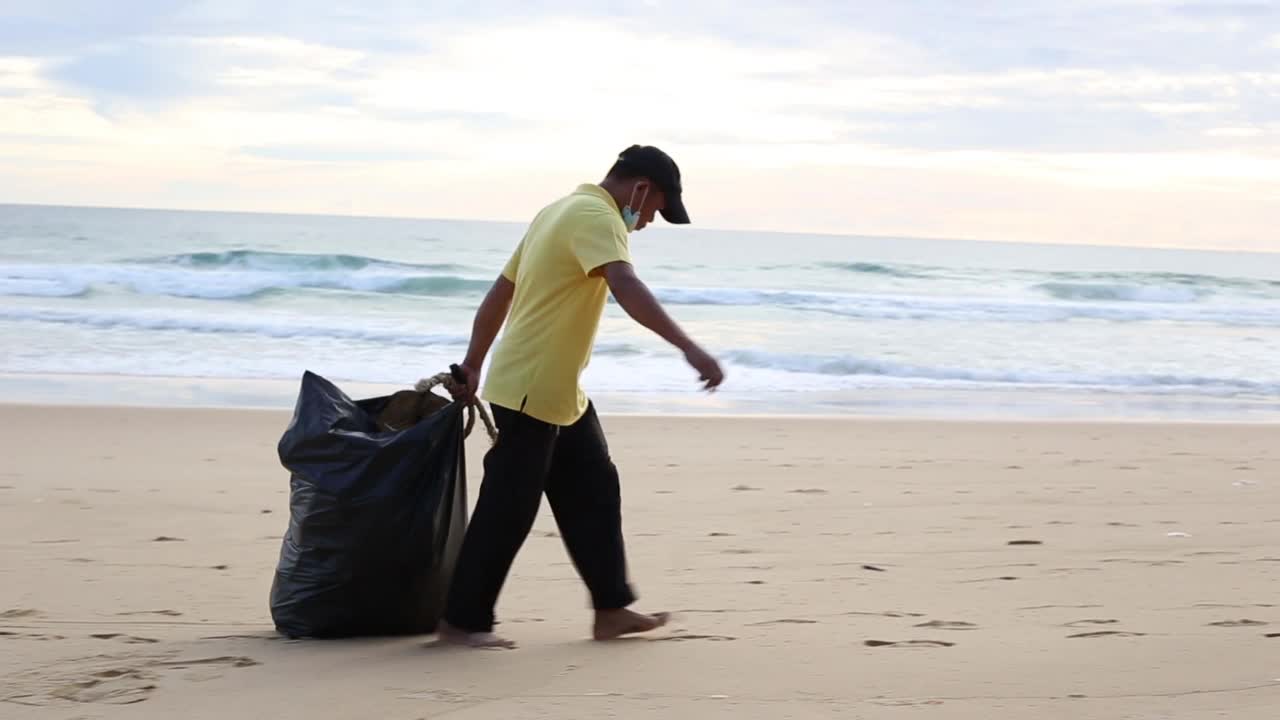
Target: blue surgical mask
x: 632, y: 217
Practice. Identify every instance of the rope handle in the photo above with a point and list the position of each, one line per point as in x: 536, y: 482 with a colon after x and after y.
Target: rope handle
x: 451, y: 380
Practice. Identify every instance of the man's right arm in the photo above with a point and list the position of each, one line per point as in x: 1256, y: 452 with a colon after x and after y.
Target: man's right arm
x: 635, y: 298
x: 489, y: 318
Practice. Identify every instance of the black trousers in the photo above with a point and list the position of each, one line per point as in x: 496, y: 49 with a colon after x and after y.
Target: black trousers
x: 571, y: 464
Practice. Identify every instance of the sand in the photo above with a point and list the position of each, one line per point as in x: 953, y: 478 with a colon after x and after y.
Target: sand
x: 819, y: 568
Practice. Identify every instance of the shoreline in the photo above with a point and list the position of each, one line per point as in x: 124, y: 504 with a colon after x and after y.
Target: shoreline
x: 697, y: 417
x: 905, y: 405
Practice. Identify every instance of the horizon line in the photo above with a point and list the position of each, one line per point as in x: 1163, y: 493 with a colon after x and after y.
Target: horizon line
x: 673, y: 228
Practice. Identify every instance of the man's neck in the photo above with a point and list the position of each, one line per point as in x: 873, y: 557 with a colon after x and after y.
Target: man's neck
x: 619, y: 193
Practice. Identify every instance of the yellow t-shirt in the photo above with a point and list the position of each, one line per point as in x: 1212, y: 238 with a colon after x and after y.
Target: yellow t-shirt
x: 556, y: 308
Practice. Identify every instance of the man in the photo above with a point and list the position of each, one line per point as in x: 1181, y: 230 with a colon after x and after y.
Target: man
x: 551, y: 294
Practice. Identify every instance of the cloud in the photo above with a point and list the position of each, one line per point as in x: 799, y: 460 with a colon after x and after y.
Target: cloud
x: 1236, y: 132
x: 1232, y: 10
x: 140, y: 72
x: 21, y: 74
x: 489, y: 110
x: 320, y: 153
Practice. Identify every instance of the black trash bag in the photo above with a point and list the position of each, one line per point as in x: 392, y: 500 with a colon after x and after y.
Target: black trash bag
x: 376, y: 518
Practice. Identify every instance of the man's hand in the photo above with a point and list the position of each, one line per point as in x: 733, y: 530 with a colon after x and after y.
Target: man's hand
x: 709, y: 371
x: 634, y: 297
x: 466, y: 390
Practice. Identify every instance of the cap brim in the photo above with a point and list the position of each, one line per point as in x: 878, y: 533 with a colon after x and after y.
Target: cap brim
x: 674, y: 211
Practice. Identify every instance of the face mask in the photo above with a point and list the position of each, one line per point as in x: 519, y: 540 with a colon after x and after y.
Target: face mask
x: 632, y: 217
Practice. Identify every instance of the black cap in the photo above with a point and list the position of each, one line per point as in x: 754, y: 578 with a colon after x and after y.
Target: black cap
x: 658, y: 166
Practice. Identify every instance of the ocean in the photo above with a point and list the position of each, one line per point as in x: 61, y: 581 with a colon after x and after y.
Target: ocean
x: 186, y: 308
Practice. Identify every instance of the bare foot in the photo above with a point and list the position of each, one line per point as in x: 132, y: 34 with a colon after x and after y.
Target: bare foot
x: 611, y: 624
x: 482, y: 640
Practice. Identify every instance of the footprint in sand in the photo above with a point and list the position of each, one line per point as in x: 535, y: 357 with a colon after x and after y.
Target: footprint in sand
x: 1061, y: 607
x: 112, y: 687
x: 809, y: 491
x: 99, y: 680
x: 744, y: 488
x: 1237, y: 623
x: 948, y: 625
x: 1091, y: 621
x: 682, y: 637
x: 1107, y: 633
x: 19, y: 613
x: 888, y: 613
x: 908, y: 643
x: 166, y: 538
x: 239, y: 661
x: 167, y: 613
x: 130, y: 639
x: 1025, y: 542
x: 28, y: 636
x: 785, y: 621
x: 269, y: 636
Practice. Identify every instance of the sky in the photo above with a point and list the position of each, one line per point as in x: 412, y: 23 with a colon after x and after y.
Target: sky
x: 1130, y: 122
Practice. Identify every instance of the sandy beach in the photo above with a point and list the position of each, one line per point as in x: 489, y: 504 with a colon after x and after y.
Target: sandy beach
x: 818, y: 568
